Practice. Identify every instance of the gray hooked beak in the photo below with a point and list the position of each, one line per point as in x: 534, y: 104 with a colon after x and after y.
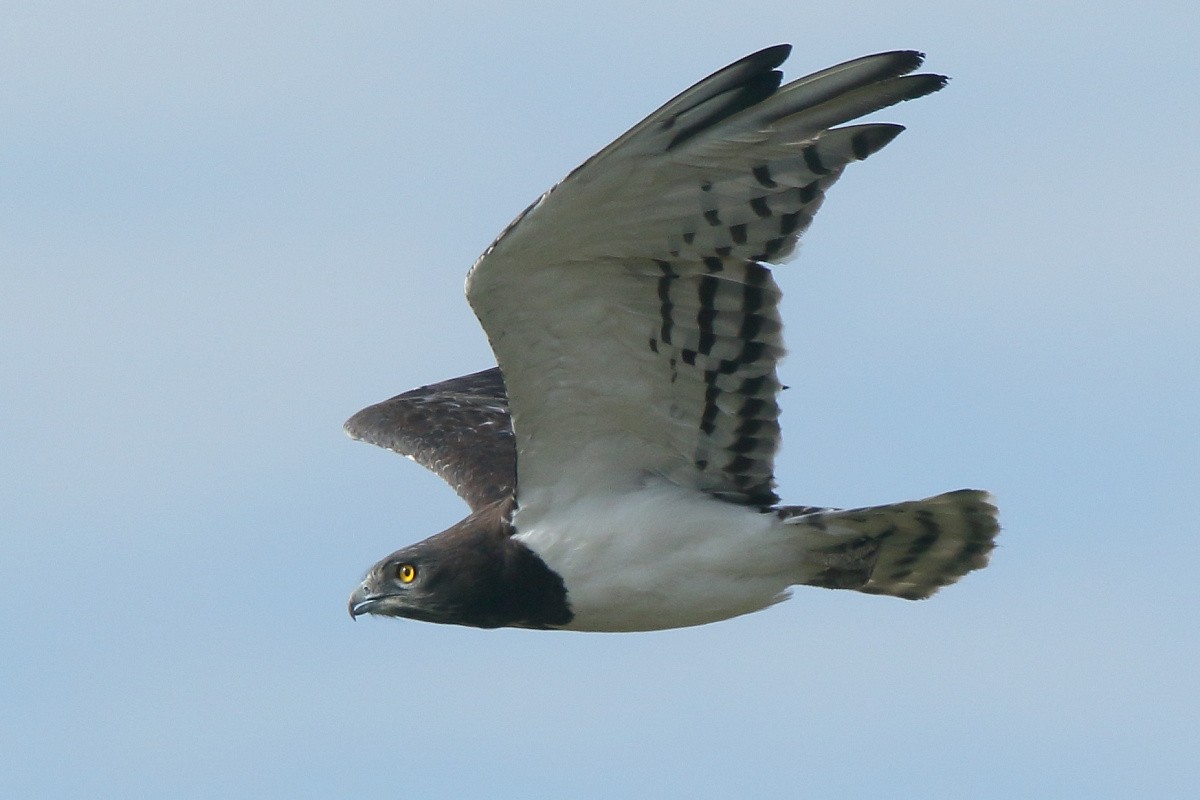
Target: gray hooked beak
x: 361, y: 601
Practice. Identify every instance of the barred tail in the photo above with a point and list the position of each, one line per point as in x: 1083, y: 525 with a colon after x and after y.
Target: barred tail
x: 907, y: 550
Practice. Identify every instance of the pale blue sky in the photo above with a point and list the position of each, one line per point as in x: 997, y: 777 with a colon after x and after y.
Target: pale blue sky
x: 224, y: 230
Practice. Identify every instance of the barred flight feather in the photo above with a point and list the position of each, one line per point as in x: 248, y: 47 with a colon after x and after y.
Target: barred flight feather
x: 907, y: 550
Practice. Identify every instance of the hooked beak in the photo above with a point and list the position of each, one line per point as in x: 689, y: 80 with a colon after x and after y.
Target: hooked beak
x: 362, y: 601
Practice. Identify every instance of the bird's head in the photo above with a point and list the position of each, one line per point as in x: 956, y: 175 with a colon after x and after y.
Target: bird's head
x: 473, y: 573
x: 417, y: 582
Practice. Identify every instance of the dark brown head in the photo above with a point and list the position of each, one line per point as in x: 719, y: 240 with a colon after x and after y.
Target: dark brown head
x: 473, y: 573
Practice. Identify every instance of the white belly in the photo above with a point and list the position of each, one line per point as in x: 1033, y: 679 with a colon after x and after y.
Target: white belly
x: 659, y: 556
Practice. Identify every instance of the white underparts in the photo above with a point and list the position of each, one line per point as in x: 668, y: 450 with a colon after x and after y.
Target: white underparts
x: 660, y: 556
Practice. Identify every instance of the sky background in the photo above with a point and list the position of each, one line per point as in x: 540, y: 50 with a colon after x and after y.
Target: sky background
x: 226, y: 227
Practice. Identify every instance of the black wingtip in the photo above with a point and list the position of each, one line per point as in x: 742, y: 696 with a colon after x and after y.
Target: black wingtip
x: 763, y: 60
x: 897, y: 62
x: 873, y: 138
x: 914, y: 57
x: 926, y: 84
x: 769, y: 57
x: 742, y: 84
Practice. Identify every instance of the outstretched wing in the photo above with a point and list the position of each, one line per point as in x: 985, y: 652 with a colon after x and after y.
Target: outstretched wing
x: 629, y: 308
x: 459, y: 429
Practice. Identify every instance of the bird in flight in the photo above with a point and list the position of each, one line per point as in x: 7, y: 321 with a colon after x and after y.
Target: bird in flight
x: 618, y: 462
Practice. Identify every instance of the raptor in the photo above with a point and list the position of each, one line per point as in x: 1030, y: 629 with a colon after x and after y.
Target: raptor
x: 618, y: 462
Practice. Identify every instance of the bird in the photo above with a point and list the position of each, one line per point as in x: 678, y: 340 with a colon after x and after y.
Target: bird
x: 618, y: 460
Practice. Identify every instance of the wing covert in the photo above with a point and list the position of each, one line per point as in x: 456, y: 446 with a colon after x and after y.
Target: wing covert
x: 459, y: 429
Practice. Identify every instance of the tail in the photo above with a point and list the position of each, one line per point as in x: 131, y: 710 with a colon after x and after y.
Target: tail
x: 907, y: 550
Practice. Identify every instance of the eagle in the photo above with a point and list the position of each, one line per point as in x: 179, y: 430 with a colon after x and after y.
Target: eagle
x: 618, y: 462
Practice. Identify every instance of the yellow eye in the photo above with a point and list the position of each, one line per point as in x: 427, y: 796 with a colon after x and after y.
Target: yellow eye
x: 405, y: 573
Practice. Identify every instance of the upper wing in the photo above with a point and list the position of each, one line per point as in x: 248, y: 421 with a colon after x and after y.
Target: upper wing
x: 636, y: 329
x: 458, y: 428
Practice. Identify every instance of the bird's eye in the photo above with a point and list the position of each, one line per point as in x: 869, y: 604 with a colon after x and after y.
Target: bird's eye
x: 405, y: 573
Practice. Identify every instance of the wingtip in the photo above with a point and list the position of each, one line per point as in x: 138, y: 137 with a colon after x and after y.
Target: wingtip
x: 905, y: 61
x: 766, y: 59
x: 899, y: 62
x: 913, y: 86
x: 870, y: 139
x: 353, y: 427
x: 928, y: 84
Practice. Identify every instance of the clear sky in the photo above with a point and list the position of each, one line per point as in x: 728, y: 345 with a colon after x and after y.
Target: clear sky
x: 226, y: 227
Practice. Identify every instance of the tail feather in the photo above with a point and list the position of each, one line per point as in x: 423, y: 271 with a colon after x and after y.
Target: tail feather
x: 907, y: 550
